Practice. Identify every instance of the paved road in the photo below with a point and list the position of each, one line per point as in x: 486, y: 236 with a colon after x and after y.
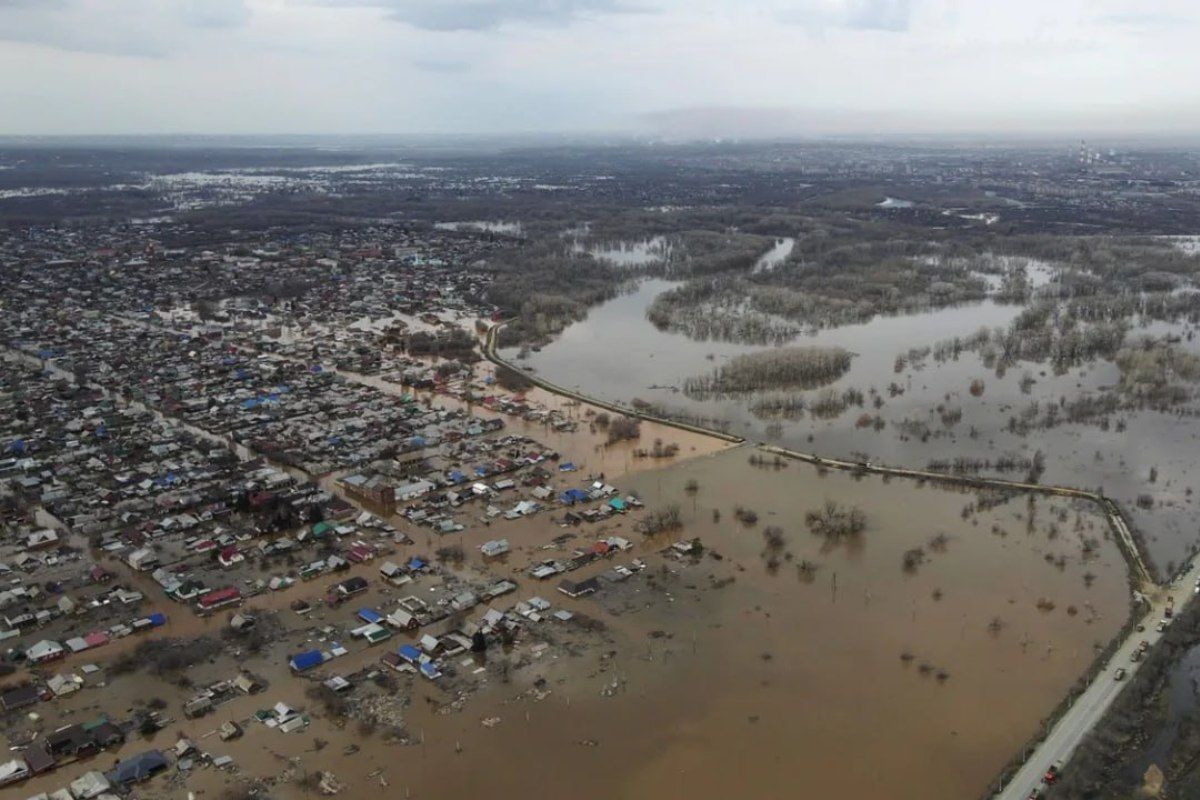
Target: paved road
x: 1090, y: 706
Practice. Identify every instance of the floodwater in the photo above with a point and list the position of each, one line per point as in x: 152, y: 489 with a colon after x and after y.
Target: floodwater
x: 799, y: 682
x: 617, y: 354
x: 776, y: 255
x: 484, y: 226
x: 1181, y: 697
x: 654, y: 250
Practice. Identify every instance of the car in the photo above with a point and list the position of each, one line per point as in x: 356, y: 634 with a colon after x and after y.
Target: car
x: 1144, y: 646
x: 1136, y: 655
x: 1119, y: 675
x: 1141, y: 628
x: 1162, y: 625
x: 1051, y: 775
x: 1035, y: 793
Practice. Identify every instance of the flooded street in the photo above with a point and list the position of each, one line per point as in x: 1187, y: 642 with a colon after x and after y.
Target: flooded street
x: 798, y: 675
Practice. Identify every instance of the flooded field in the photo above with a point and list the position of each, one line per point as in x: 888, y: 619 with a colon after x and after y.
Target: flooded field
x: 917, y: 414
x: 794, y: 656
x: 624, y: 254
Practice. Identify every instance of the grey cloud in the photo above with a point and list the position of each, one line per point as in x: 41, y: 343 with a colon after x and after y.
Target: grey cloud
x: 441, y: 65
x: 482, y: 15
x: 216, y: 13
x: 879, y: 15
x: 863, y: 15
x: 133, y: 28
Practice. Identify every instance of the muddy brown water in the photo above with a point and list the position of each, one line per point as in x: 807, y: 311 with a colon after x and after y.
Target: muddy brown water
x: 618, y: 355
x: 770, y: 686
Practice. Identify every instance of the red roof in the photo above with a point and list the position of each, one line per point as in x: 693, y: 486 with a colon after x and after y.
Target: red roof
x: 220, y: 596
x: 96, y: 638
x: 360, y: 553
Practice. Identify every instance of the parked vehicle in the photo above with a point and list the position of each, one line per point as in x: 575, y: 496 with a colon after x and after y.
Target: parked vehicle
x: 1119, y: 675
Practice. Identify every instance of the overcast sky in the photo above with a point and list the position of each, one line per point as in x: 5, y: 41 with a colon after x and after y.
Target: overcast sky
x: 681, y: 67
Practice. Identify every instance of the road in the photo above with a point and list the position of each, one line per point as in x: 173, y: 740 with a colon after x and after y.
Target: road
x: 1089, y: 707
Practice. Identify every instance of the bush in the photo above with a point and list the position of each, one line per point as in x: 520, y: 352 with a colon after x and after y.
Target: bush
x: 834, y: 522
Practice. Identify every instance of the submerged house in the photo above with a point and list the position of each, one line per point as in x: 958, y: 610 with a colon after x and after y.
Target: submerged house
x: 138, y: 768
x: 303, y: 662
x: 578, y: 588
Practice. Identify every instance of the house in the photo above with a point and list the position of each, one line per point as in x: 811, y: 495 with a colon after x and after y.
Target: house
x: 230, y: 556
x: 375, y: 490
x: 63, y: 685
x: 302, y: 662
x: 218, y: 599
x: 578, y: 588
x: 39, y: 540
x: 38, y: 759
x: 142, y: 559
x: 413, y: 490
x: 96, y: 639
x: 14, y: 771
x: 105, y: 733
x: 369, y: 615
x: 198, y: 706
x: 492, y: 619
x: 338, y: 684
x: 402, y: 620
x: 248, y: 683
x: 138, y: 768
x: 572, y: 496
x: 494, y: 548
x: 373, y: 633
x: 360, y: 553
x: 71, y: 741
x: 45, y: 651
x: 20, y: 697
x: 350, y: 587
x: 89, y: 785
x: 394, y: 574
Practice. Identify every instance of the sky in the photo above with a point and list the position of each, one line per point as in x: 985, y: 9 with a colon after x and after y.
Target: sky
x: 669, y: 68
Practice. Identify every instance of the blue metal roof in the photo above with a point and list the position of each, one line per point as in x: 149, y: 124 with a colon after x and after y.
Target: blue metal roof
x: 138, y: 767
x: 306, y: 660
